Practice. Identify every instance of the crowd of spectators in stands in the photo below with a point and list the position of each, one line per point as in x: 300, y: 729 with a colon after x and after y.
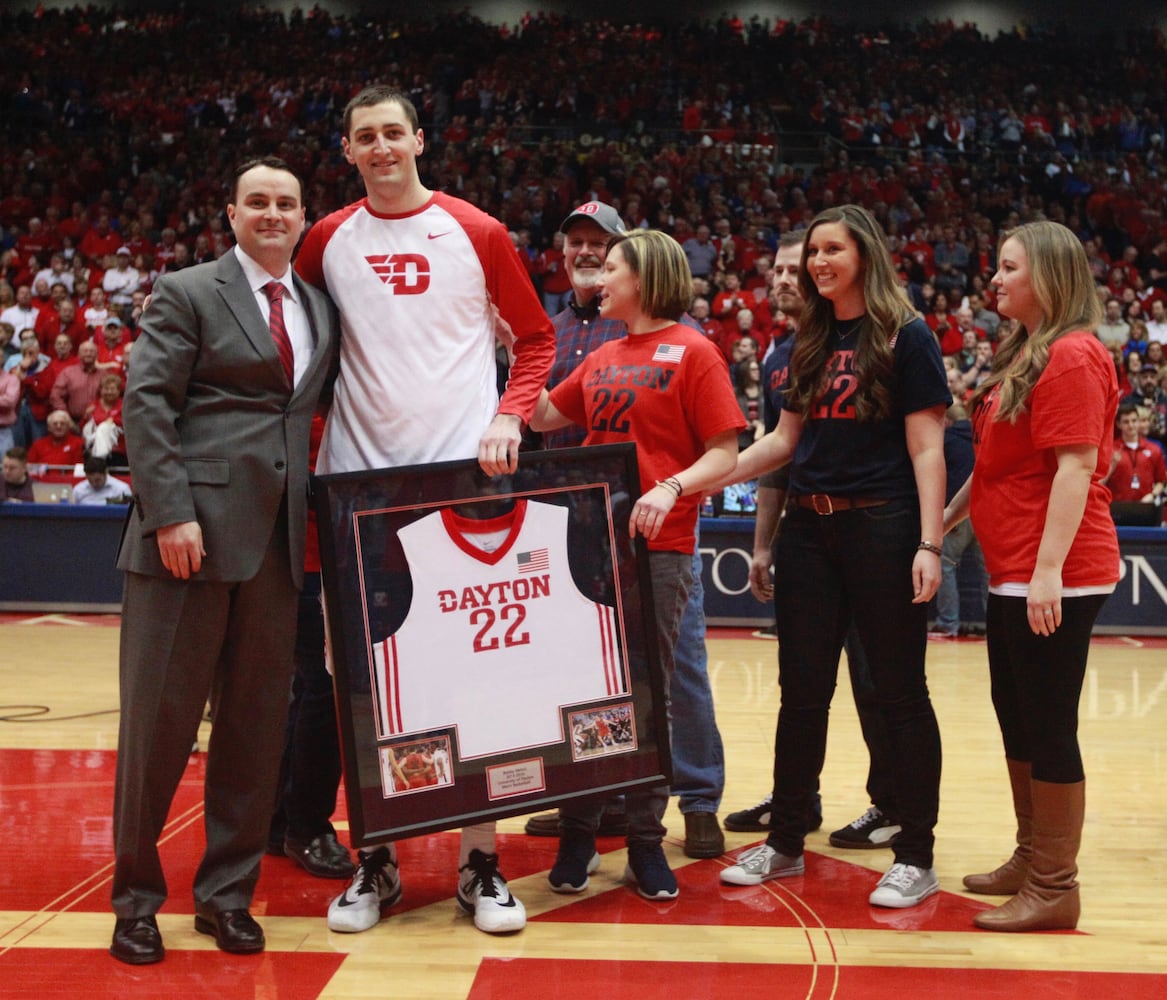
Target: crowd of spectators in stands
x: 116, y: 134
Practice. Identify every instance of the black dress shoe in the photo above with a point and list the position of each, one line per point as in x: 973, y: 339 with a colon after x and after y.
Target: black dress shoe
x: 233, y: 930
x: 323, y: 856
x: 136, y: 941
x: 703, y: 836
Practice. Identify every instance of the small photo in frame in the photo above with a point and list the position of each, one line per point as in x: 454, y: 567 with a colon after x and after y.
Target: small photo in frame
x: 415, y: 766
x: 598, y: 732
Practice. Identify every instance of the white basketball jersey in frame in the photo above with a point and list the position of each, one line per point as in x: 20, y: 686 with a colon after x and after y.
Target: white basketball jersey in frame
x: 494, y: 642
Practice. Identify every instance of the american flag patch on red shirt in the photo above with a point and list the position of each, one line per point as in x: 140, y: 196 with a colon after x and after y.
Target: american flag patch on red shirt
x: 533, y: 562
x: 671, y: 353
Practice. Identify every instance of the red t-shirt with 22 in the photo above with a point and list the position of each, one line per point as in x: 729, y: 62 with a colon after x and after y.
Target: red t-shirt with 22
x: 1073, y: 403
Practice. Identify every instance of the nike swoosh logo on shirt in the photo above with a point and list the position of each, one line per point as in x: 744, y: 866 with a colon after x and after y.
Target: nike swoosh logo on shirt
x: 437, y: 236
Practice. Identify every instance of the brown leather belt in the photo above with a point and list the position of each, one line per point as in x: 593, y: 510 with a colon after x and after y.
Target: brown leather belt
x: 824, y: 503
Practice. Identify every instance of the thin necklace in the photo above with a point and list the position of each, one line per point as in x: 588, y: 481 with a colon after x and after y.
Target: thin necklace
x: 843, y: 332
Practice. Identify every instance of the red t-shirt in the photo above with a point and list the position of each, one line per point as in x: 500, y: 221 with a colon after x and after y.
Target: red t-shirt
x: 669, y: 392
x: 46, y: 451
x: 112, y: 355
x: 1073, y: 403
x: 1138, y: 469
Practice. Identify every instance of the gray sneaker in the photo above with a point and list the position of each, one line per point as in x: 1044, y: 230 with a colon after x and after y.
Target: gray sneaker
x: 761, y: 864
x: 904, y: 886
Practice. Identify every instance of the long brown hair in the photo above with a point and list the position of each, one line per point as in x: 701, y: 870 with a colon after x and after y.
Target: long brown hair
x: 888, y: 309
x: 1063, y: 286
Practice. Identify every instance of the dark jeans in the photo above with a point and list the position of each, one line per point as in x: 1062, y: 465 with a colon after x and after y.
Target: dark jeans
x: 880, y: 779
x: 880, y: 776
x: 854, y: 565
x: 671, y: 579
x: 310, y: 768
x: 1037, y: 681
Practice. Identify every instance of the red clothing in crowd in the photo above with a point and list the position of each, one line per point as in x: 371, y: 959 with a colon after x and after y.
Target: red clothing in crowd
x: 49, y: 326
x: 38, y: 387
x: 48, y: 451
x: 114, y: 413
x: 726, y: 306
x: 947, y: 332
x: 550, y: 267
x: 97, y: 247
x: 111, y: 359
x: 75, y: 391
x: 1138, y: 469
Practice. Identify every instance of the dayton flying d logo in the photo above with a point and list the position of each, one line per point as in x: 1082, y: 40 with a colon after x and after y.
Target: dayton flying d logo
x: 405, y: 273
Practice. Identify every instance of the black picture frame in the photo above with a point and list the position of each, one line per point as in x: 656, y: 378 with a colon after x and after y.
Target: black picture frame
x: 530, y: 678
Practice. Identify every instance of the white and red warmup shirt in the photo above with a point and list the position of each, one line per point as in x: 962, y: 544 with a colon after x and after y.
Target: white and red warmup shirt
x: 1073, y: 403
x: 481, y: 646
x: 422, y: 297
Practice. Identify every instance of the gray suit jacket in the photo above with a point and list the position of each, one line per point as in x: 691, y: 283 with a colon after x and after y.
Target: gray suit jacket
x: 211, y: 431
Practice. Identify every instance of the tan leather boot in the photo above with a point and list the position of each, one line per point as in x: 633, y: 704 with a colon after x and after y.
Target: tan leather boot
x: 1007, y: 879
x: 1049, y: 898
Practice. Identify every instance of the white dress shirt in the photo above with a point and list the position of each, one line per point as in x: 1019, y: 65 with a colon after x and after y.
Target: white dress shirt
x: 295, y: 314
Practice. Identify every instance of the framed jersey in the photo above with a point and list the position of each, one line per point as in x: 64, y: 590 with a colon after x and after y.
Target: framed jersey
x: 492, y: 641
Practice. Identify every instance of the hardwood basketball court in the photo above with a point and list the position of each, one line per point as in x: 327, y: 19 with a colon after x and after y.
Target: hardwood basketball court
x: 810, y: 937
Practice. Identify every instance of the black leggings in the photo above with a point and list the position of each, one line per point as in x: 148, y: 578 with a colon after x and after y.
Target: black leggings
x: 1037, y: 681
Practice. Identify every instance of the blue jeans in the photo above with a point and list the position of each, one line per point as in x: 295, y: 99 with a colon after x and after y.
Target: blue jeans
x: 948, y: 596
x: 698, y: 754
x: 853, y: 565
x: 645, y: 808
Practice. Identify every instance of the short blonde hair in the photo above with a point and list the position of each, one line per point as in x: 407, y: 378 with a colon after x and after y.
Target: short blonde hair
x: 666, y: 283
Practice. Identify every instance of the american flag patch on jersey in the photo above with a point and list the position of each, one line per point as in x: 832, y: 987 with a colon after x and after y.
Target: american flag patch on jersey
x: 534, y: 561
x: 671, y: 353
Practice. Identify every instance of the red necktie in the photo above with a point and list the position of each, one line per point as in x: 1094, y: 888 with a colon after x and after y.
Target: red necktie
x: 279, y: 333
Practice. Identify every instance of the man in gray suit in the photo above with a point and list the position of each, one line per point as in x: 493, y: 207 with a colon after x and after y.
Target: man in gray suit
x: 226, y: 374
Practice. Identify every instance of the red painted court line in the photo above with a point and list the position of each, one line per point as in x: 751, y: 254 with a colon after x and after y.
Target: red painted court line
x: 537, y: 979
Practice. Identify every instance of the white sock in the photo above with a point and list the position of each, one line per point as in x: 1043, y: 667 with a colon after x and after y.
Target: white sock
x: 479, y: 837
x: 389, y: 845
